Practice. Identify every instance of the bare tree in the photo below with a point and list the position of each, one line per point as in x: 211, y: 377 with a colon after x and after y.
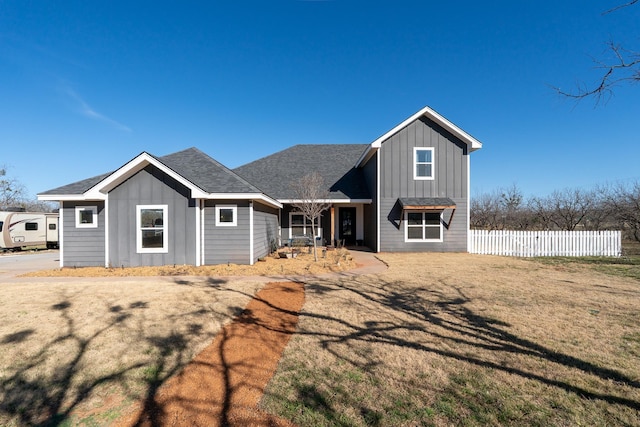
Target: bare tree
x: 12, y: 192
x: 311, y: 201
x: 623, y: 203
x: 623, y: 66
x: 568, y: 208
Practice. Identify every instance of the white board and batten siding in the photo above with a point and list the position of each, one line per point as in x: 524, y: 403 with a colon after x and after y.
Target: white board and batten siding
x: 545, y: 243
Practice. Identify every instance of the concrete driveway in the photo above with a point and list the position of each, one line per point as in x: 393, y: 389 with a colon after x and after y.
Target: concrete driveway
x: 13, y: 264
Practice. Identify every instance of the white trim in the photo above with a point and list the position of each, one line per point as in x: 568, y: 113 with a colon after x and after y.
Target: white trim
x: 251, y: 233
x: 94, y: 216
x: 334, y: 201
x: 473, y: 143
x: 165, y: 230
x: 233, y: 223
x: 432, y: 163
x: 203, y: 213
x: 423, y: 226
x: 377, y: 249
x: 106, y: 232
x: 132, y: 167
x: 468, y: 203
x: 70, y: 197
x: 198, y: 237
x: 61, y: 233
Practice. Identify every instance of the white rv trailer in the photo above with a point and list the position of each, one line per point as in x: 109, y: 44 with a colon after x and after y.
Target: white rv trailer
x: 22, y: 229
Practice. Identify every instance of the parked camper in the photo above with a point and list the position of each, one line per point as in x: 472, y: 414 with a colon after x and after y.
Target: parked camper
x: 22, y: 229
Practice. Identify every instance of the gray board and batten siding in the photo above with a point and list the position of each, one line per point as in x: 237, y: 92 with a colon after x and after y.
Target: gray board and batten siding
x: 226, y: 244
x: 82, y: 247
x: 397, y: 181
x: 151, y: 186
x: 265, y: 230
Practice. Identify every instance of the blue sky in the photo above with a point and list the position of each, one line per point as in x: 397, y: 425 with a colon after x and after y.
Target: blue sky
x: 86, y: 86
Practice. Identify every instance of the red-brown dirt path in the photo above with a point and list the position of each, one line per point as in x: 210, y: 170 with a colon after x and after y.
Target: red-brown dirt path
x: 223, y: 385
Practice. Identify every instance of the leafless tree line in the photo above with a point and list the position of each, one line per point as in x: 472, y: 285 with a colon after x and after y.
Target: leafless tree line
x: 13, y: 194
x: 606, y: 207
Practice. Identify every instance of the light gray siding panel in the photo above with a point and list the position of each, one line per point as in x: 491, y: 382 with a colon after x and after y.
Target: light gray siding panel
x: 396, y: 177
x: 223, y: 244
x: 83, y: 247
x: 151, y: 186
x: 265, y: 230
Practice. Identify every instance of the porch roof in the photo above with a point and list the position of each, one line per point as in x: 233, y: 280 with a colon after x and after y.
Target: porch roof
x: 426, y: 203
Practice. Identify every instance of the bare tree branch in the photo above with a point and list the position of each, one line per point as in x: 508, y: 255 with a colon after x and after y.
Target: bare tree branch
x: 312, y: 197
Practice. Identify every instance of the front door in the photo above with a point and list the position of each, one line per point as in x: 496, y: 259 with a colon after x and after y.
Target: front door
x: 347, y: 218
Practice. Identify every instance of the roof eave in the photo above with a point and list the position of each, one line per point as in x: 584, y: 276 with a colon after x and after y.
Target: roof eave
x: 471, y: 142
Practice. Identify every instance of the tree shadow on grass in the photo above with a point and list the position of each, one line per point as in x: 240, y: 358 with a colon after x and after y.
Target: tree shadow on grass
x: 40, y: 390
x: 439, y: 322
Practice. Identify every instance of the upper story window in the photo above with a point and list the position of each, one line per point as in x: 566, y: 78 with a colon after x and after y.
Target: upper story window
x: 226, y: 215
x: 151, y: 229
x: 423, y: 227
x: 423, y: 163
x: 86, y: 216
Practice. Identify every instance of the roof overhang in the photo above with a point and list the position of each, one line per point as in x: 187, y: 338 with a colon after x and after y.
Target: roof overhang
x: 426, y: 203
x: 100, y: 190
x: 428, y: 112
x: 334, y: 201
x: 434, y: 204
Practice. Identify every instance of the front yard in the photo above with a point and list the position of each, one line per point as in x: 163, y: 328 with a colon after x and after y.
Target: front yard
x: 438, y: 339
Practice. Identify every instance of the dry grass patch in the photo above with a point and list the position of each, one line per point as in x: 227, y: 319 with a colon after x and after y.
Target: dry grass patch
x: 80, y: 352
x: 459, y: 339
x: 303, y: 265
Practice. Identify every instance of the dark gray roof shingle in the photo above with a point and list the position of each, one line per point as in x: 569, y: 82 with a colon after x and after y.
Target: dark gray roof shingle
x: 275, y: 174
x: 207, y: 173
x: 192, y: 164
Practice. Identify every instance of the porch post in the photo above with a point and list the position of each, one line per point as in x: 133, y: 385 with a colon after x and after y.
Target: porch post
x: 333, y: 225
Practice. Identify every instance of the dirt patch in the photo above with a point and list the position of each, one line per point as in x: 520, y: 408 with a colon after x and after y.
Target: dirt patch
x: 224, y: 383
x: 302, y: 265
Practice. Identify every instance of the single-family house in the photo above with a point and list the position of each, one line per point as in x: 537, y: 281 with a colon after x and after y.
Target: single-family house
x: 406, y: 191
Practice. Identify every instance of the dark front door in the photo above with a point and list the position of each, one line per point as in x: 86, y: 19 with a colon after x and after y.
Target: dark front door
x: 347, y: 218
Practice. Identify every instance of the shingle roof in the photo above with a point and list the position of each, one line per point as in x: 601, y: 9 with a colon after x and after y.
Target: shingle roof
x: 78, y: 187
x: 207, y: 173
x: 274, y: 174
x: 192, y: 164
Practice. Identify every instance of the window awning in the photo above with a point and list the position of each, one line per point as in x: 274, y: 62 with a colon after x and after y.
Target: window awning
x: 426, y: 203
x: 436, y: 204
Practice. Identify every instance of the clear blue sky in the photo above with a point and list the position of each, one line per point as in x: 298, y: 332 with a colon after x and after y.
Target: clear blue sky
x: 86, y: 86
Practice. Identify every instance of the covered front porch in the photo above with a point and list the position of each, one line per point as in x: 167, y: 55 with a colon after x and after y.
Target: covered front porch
x: 343, y: 224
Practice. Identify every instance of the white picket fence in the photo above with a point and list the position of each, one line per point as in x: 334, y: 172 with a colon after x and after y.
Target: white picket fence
x: 545, y: 243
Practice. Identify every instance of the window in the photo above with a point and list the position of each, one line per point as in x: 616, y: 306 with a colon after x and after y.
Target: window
x: 151, y: 229
x: 423, y: 164
x: 52, y: 226
x: 423, y: 227
x: 299, y: 225
x: 30, y: 226
x: 226, y: 215
x: 86, y: 216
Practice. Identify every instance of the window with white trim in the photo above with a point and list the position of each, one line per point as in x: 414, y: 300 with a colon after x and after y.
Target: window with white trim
x: 226, y: 215
x: 422, y: 226
x: 151, y: 229
x: 423, y: 163
x: 299, y: 225
x: 86, y: 216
